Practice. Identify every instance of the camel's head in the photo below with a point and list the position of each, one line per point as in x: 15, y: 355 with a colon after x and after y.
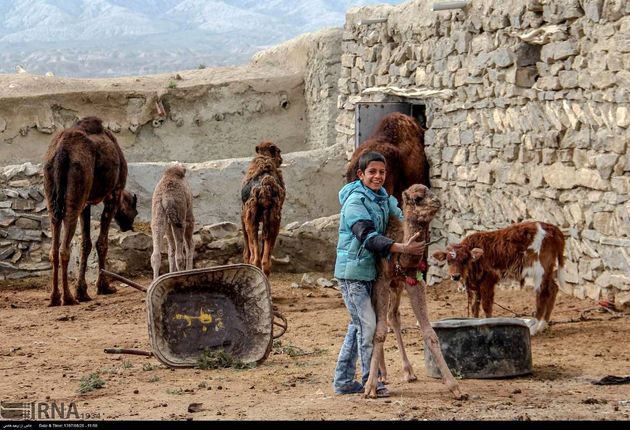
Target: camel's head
x: 420, y: 203
x: 269, y: 149
x: 126, y: 211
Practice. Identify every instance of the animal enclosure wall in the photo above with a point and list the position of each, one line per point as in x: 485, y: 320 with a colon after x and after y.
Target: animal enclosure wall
x: 528, y: 111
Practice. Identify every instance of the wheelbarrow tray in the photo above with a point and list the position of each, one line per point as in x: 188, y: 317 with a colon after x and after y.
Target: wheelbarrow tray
x: 222, y: 308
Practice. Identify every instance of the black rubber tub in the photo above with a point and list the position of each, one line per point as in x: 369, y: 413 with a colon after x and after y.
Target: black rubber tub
x: 480, y: 348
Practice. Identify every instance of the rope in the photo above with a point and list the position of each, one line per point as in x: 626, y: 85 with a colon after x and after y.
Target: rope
x: 507, y: 309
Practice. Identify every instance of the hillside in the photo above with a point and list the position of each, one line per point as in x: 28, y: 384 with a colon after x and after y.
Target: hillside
x: 109, y: 38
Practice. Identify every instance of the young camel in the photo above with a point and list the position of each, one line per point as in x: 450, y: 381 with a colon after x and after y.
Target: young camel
x: 402, y: 271
x: 172, y: 213
x: 262, y: 193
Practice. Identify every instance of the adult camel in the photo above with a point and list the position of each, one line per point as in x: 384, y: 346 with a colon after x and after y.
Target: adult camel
x: 84, y: 166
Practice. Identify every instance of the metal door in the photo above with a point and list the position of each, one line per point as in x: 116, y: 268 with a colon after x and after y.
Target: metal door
x: 368, y: 115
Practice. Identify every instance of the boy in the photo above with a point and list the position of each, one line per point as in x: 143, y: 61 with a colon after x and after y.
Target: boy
x: 365, y: 211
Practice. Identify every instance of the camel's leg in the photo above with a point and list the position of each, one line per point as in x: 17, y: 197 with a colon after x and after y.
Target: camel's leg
x: 394, y: 319
x: 70, y: 225
x: 157, y: 228
x: 245, y: 238
x: 170, y: 239
x: 251, y: 227
x: 55, y: 296
x: 109, y: 209
x: 86, y: 248
x: 381, y: 299
x: 419, y: 305
x: 271, y: 228
x: 189, y: 245
x: 178, y: 235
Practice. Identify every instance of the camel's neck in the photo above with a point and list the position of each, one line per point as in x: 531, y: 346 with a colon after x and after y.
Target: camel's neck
x: 413, y: 225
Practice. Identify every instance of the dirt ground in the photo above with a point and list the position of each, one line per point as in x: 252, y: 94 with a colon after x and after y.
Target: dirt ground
x: 44, y: 353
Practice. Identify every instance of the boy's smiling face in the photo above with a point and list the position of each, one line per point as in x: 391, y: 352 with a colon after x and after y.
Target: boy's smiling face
x: 374, y: 175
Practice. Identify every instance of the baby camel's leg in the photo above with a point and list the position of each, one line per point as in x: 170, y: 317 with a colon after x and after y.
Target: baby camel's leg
x: 157, y: 230
x: 250, y: 225
x: 172, y: 266
x: 419, y: 305
x: 178, y: 235
x: 189, y: 244
x: 394, y: 320
x: 381, y: 299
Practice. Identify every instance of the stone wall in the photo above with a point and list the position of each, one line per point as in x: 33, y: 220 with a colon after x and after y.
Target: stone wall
x: 287, y: 95
x: 24, y: 225
x: 310, y: 176
x: 528, y: 106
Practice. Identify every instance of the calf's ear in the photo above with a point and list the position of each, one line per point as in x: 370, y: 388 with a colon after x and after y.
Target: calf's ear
x: 439, y: 255
x: 476, y: 253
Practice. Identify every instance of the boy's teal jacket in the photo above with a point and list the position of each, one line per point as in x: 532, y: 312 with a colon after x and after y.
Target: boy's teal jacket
x: 358, y: 202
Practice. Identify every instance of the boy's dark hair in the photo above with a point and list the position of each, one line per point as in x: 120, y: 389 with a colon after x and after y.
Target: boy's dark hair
x: 368, y: 157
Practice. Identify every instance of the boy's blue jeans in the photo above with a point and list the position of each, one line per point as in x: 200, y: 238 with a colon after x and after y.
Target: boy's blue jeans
x: 357, y: 295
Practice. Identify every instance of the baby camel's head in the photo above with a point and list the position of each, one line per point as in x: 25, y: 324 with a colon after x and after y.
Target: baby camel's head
x: 176, y: 170
x: 269, y: 149
x: 420, y: 203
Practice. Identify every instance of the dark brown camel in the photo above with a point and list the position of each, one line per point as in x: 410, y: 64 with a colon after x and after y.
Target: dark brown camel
x: 263, y: 193
x: 401, y: 271
x: 400, y: 139
x: 84, y: 166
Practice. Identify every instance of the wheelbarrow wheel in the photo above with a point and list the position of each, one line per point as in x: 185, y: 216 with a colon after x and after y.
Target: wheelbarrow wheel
x: 280, y: 321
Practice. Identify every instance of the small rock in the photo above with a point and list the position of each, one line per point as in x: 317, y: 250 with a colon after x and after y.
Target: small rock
x: 307, y: 280
x: 195, y: 407
x: 323, y: 282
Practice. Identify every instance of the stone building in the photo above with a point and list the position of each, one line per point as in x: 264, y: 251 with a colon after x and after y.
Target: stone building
x: 527, y: 106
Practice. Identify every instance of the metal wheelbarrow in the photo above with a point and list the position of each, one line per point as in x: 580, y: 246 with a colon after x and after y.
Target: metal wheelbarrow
x: 222, y: 308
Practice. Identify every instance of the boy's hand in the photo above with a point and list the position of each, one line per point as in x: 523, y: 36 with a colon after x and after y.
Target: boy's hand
x: 415, y: 248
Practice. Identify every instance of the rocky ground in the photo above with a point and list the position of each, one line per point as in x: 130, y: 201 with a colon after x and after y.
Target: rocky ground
x: 45, y: 352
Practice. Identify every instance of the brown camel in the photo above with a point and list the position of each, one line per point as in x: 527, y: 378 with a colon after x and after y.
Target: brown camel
x: 172, y: 213
x: 84, y: 166
x: 400, y: 139
x: 402, y: 271
x: 263, y: 193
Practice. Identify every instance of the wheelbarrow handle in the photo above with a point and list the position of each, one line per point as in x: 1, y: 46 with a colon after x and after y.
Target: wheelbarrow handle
x: 127, y: 351
x: 123, y: 280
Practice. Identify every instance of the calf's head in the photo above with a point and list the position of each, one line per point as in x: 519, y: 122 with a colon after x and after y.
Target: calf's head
x: 459, y: 259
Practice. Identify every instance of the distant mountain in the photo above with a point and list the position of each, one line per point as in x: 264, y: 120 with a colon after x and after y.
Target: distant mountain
x: 106, y: 38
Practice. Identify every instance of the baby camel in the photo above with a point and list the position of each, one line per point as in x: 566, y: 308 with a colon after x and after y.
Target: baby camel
x: 171, y: 213
x: 262, y: 193
x: 402, y: 270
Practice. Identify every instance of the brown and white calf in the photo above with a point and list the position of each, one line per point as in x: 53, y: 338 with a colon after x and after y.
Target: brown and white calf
x: 482, y: 259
